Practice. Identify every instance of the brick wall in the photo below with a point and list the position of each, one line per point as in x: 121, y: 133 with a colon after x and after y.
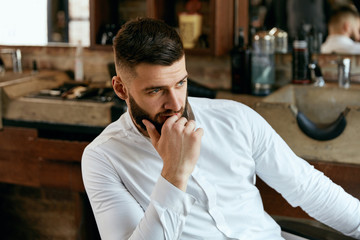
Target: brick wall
x: 214, y: 72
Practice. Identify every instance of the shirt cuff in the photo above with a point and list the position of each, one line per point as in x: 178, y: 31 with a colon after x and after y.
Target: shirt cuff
x: 170, y: 197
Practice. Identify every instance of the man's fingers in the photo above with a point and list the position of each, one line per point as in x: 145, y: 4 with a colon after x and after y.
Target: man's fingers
x: 200, y: 132
x: 190, y: 126
x: 153, y: 133
x: 171, y: 120
x: 181, y: 121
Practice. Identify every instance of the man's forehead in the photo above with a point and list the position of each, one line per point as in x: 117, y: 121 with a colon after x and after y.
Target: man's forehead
x: 159, y: 72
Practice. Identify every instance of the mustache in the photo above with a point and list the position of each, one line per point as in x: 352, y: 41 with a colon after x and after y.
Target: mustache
x: 169, y: 112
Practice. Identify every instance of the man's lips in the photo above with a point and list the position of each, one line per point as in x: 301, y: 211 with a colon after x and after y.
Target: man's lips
x: 166, y: 116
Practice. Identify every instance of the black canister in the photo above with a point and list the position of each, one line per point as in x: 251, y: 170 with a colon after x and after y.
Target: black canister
x: 300, y: 61
x: 241, y: 67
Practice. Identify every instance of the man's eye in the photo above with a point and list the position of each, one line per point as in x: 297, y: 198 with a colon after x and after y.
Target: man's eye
x: 154, y: 91
x: 181, y: 83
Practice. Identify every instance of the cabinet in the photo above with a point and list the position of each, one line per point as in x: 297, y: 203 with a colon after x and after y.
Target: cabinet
x: 217, y: 25
x: 49, y: 165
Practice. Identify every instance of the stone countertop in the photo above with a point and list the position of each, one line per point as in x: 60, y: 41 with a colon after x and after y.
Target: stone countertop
x: 246, y: 99
x: 342, y: 149
x: 323, y: 107
x: 17, y: 105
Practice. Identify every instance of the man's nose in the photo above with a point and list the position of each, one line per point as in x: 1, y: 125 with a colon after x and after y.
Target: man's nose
x: 172, y: 101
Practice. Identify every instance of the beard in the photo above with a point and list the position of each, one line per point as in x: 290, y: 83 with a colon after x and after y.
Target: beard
x: 139, y: 114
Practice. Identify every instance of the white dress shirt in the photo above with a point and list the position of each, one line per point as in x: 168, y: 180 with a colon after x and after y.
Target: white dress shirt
x: 130, y: 200
x: 340, y: 44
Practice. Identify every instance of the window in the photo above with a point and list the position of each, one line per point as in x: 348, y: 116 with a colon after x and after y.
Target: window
x: 43, y: 22
x: 19, y: 26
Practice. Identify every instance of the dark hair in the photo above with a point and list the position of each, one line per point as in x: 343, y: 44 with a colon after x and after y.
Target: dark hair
x: 146, y: 40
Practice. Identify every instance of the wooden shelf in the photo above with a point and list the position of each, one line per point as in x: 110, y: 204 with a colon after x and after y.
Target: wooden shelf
x: 218, y: 20
x: 100, y: 47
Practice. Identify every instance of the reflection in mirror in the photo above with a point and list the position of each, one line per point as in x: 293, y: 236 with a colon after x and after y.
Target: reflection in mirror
x: 51, y: 22
x: 307, y: 17
x: 58, y: 21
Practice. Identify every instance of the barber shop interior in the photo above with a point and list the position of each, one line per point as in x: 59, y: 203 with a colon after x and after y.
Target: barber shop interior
x: 273, y: 152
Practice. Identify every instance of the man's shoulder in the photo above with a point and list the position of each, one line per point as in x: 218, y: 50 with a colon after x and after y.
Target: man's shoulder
x: 340, y: 44
x: 208, y: 102
x: 216, y: 104
x: 115, y: 130
x: 206, y: 110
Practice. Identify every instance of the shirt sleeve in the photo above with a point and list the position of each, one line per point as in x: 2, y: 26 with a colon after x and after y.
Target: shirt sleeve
x: 119, y: 216
x: 300, y: 183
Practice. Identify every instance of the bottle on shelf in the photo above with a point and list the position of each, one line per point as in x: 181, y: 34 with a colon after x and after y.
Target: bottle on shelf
x: 241, y: 66
x: 79, y: 63
x: 190, y: 24
x: 2, y: 67
x: 300, y: 59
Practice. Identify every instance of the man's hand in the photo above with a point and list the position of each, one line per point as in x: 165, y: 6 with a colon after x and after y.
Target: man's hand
x: 178, y: 146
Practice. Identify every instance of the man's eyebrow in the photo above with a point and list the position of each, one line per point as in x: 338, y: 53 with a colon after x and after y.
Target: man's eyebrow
x: 161, y: 87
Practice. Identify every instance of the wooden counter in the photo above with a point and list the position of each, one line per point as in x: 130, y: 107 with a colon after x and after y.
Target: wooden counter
x: 26, y: 159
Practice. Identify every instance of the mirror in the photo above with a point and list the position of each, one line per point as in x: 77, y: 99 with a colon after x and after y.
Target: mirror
x: 49, y: 23
x: 312, y: 16
x: 58, y: 21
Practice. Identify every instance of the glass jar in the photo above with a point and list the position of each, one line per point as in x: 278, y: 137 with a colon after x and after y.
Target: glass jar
x: 263, y: 63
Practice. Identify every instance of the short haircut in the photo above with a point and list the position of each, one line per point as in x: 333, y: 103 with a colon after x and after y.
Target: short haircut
x: 146, y: 40
x: 342, y: 12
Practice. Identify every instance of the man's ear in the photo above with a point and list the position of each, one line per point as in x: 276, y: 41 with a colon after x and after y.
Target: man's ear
x: 120, y: 88
x: 346, y: 28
